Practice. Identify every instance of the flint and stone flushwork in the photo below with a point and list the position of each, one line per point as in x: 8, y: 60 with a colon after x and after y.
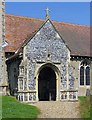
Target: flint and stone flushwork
x: 3, y: 71
x: 31, y: 76
x: 45, y: 46
x: 63, y: 76
x: 71, y: 77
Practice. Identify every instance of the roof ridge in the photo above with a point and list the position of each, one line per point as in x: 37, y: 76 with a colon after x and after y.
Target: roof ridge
x: 63, y: 23
x: 74, y: 36
x: 24, y: 17
x: 73, y: 24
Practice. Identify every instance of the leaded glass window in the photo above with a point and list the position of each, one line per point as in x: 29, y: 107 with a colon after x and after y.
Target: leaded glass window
x: 82, y: 75
x: 87, y: 75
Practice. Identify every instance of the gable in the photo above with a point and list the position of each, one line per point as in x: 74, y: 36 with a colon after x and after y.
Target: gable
x: 47, y: 44
x: 18, y: 29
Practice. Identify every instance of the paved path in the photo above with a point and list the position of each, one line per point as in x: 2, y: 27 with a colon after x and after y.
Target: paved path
x: 57, y: 109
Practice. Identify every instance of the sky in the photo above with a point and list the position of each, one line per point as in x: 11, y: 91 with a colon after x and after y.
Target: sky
x: 71, y: 12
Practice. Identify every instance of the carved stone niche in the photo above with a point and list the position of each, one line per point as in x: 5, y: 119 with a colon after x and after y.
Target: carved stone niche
x: 63, y: 95
x: 32, y: 96
x: 21, y: 69
x: 72, y: 95
x: 20, y: 96
x: 20, y: 83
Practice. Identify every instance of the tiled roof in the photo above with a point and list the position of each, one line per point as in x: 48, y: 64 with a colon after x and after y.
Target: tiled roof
x: 76, y: 37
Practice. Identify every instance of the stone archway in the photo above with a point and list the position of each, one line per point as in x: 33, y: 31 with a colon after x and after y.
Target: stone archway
x: 47, y: 82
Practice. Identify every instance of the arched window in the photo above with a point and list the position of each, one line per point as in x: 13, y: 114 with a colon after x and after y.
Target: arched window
x: 82, y: 75
x: 85, y: 72
x: 87, y: 75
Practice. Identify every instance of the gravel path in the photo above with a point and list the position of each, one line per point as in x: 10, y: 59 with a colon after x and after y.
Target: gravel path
x: 57, y: 109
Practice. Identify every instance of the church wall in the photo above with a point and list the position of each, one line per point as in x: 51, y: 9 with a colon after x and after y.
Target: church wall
x: 3, y: 73
x: 91, y: 80
x: 74, y: 69
x: 13, y: 72
x: 82, y: 89
x: 48, y: 48
x: 45, y: 47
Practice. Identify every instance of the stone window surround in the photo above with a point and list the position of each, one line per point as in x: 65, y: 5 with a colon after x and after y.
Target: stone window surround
x: 84, y: 75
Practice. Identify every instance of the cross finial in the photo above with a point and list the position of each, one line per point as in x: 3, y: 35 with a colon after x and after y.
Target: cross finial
x: 47, y: 13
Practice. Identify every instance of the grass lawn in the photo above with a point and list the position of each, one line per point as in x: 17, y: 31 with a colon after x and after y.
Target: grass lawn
x: 85, y: 107
x: 14, y: 109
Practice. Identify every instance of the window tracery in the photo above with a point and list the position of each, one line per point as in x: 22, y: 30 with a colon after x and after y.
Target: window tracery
x: 85, y: 73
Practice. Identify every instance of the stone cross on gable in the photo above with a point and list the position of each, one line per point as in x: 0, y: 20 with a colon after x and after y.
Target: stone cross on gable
x: 47, y: 13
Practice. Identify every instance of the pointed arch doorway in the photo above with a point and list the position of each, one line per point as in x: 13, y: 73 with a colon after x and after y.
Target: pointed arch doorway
x: 47, y: 84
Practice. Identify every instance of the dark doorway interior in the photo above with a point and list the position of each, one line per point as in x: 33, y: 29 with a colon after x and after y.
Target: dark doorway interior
x: 47, y: 84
